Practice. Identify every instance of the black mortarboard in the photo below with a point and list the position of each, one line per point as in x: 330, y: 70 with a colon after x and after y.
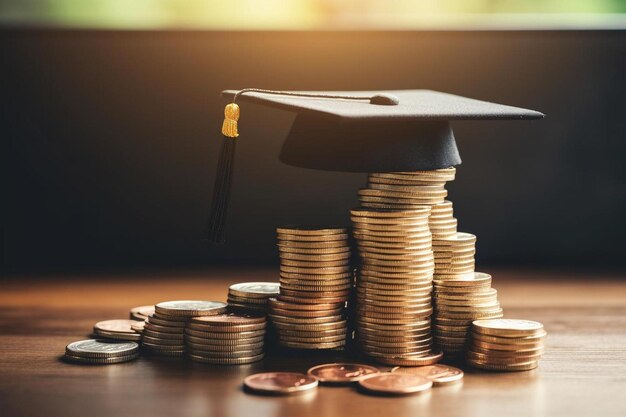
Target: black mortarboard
x: 363, y: 131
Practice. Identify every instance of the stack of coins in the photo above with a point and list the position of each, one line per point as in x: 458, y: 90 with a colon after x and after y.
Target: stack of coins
x: 251, y: 297
x: 101, y: 352
x: 394, y: 284
x: 163, y: 333
x: 442, y: 222
x: 226, y: 339
x: 457, y: 303
x: 141, y: 313
x: 315, y: 283
x: 406, y: 190
x: 116, y: 330
x: 506, y: 344
x: 454, y: 255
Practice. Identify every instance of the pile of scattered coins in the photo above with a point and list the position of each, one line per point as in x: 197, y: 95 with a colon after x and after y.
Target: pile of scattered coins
x: 315, y: 282
x: 506, y: 344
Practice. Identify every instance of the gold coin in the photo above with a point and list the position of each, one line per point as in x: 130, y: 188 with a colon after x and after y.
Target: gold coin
x: 526, y: 347
x: 312, y: 301
x: 310, y: 334
x: 321, y: 295
x: 244, y: 300
x: 149, y: 326
x: 423, y: 360
x: 315, y: 271
x: 311, y: 340
x: 518, y: 367
x: 161, y: 335
x: 425, y: 245
x: 422, y: 212
x: 395, y: 384
x: 224, y: 343
x: 467, y: 309
x: 406, y: 191
x: 388, y: 206
x: 411, y: 327
x: 509, y: 340
x: 318, y: 251
x: 508, y: 327
x: 440, y: 374
x: 315, y: 231
x: 315, y: 264
x: 333, y: 244
x: 375, y: 350
x: 473, y: 315
x: 503, y: 360
x: 276, y: 318
x: 329, y: 257
x: 397, y: 181
x: 506, y: 354
x: 290, y: 275
x: 225, y: 335
x: 306, y: 313
x: 141, y: 312
x: 284, y: 237
x: 311, y: 326
x: 423, y: 254
x: 478, y: 296
x: 220, y: 328
x: 224, y: 354
x: 385, y: 231
x: 311, y: 307
x: 322, y: 288
x: 230, y: 320
x: 405, y: 302
x: 300, y: 345
x: 226, y: 361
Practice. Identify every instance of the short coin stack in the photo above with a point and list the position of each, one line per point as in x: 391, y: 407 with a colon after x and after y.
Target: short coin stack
x: 226, y: 339
x: 457, y: 303
x: 315, y: 283
x: 163, y: 333
x: 406, y: 190
x: 506, y: 344
x: 251, y: 297
x: 454, y: 255
x: 116, y: 330
x: 99, y: 352
x: 394, y: 284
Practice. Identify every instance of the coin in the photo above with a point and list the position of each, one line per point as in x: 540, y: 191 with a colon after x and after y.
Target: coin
x: 280, y: 382
x: 395, y: 383
x: 91, y: 348
x: 527, y: 366
x: 439, y: 374
x: 311, y: 230
x: 254, y: 289
x: 134, y: 336
x: 225, y: 361
x: 400, y: 360
x: 508, y: 327
x: 221, y: 328
x: 229, y: 319
x: 189, y: 308
x: 115, y: 326
x: 341, y: 373
x: 138, y: 326
x: 100, y: 361
x: 311, y: 238
x: 141, y: 312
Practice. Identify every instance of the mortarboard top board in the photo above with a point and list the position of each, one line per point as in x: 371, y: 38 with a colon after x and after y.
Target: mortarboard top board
x: 376, y: 131
x: 357, y: 131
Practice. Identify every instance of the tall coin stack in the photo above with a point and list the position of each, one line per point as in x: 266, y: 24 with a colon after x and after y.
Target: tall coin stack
x: 394, y: 284
x: 506, y: 344
x: 315, y: 283
x: 163, y: 333
x: 226, y: 339
x: 251, y: 297
x: 458, y: 301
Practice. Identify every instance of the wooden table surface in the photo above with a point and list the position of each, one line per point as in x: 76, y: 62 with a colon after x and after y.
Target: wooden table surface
x: 582, y: 373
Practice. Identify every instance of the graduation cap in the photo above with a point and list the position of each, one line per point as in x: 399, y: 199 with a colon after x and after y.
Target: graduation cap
x: 358, y: 131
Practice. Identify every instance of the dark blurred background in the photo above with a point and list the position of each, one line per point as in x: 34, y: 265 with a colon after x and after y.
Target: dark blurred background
x: 110, y: 141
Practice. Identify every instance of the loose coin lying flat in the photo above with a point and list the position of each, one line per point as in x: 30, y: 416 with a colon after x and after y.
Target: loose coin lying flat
x: 91, y: 348
x: 250, y: 289
x: 280, y: 382
x: 395, y: 383
x: 439, y: 374
x: 341, y: 373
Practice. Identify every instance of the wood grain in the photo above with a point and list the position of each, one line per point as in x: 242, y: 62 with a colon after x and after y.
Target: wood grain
x: 583, y: 371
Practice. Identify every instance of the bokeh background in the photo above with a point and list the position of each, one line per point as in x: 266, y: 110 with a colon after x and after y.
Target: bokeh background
x: 111, y: 110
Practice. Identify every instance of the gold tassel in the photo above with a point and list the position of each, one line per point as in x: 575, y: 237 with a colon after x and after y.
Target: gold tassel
x: 231, y: 115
